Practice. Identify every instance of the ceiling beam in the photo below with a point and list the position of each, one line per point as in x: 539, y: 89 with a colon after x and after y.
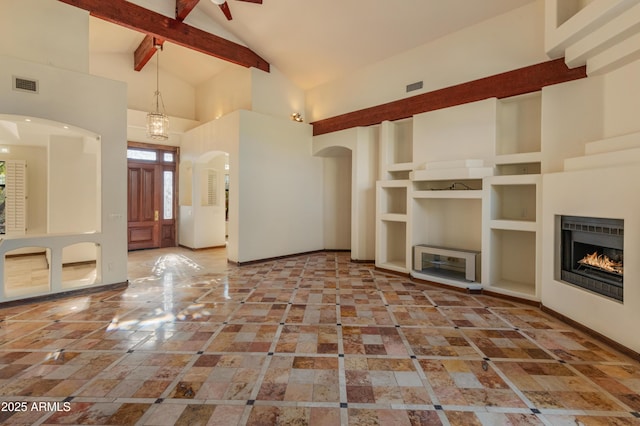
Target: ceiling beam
x: 224, y: 7
x: 184, y: 8
x: 137, y: 18
x: 511, y: 83
x: 148, y: 47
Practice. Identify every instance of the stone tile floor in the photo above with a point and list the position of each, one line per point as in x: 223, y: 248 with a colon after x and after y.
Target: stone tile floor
x: 313, y: 339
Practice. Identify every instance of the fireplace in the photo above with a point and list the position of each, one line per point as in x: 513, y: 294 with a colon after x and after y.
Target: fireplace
x: 592, y: 254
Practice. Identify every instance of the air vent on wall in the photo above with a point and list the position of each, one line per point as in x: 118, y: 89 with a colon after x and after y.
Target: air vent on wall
x: 414, y: 86
x: 25, y: 85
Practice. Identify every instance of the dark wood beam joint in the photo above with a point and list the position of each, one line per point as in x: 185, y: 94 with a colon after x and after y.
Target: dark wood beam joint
x: 184, y: 8
x: 512, y: 83
x: 224, y: 7
x: 145, y: 51
x: 137, y: 18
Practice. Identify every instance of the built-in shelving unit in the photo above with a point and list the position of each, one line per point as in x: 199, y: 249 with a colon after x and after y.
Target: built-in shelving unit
x: 512, y: 209
x: 392, y: 195
x: 512, y: 233
x: 391, y: 225
x: 396, y: 149
x: 428, y: 197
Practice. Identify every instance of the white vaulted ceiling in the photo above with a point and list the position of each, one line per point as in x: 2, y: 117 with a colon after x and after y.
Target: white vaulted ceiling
x: 310, y: 41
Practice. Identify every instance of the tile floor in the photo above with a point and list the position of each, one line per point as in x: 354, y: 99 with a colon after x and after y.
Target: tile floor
x: 312, y: 339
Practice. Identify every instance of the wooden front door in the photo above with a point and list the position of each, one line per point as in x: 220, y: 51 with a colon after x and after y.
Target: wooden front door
x: 151, y: 197
x: 144, y: 206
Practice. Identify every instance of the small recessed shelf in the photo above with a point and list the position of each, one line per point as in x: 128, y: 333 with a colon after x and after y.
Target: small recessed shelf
x: 393, y: 249
x: 393, y: 197
x: 463, y: 189
x: 513, y: 262
x: 397, y: 148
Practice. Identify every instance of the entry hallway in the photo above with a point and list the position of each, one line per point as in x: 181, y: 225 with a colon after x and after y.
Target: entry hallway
x: 313, y: 339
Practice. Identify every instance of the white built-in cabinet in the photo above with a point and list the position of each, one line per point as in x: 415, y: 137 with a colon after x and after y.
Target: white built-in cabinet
x: 465, y: 178
x: 393, y: 249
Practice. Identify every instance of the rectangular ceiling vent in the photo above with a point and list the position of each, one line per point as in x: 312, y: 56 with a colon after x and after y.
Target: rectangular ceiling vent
x: 25, y: 85
x: 414, y: 86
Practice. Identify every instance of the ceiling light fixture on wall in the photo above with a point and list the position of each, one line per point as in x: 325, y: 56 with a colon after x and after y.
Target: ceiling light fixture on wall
x: 158, y: 121
x: 218, y: 2
x: 297, y: 117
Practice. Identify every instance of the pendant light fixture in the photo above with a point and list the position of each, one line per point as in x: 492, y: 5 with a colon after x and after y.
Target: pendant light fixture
x: 158, y: 121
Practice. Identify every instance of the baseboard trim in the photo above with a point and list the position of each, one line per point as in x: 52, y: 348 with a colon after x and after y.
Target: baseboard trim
x: 271, y: 259
x: 596, y: 335
x: 202, y: 248
x: 63, y: 294
x: 288, y: 256
x: 522, y: 300
x: 396, y: 273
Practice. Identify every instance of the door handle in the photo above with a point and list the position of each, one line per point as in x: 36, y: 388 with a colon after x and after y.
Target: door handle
x: 156, y: 215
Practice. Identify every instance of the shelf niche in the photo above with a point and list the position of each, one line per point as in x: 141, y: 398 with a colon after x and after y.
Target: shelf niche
x: 513, y: 261
x: 513, y: 202
x: 394, y: 200
x: 453, y: 223
x: 393, y: 253
x: 519, y: 124
x: 518, y: 169
x: 396, y: 149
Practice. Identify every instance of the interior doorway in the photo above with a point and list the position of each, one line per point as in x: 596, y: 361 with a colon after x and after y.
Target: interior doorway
x: 204, y: 200
x: 337, y: 198
x: 151, y: 195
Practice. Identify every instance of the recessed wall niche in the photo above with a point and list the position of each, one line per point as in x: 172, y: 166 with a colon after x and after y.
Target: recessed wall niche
x: 85, y: 269
x: 26, y: 271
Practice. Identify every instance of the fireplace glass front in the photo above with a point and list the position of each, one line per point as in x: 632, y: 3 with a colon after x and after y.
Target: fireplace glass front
x: 592, y: 254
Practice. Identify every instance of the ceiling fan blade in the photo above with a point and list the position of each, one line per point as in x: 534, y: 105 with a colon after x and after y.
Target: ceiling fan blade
x: 252, y: 1
x: 225, y: 9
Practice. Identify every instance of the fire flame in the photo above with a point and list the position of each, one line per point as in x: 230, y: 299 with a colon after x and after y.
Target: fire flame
x: 603, y: 262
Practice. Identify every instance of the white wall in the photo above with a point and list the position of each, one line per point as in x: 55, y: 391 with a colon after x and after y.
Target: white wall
x: 280, y: 188
x: 460, y: 132
x: 228, y: 91
x: 49, y: 43
x: 622, y: 101
x: 179, y: 96
x: 275, y: 185
x: 564, y: 194
x: 506, y: 42
x: 68, y: 161
x: 45, y: 31
x: 572, y: 114
x: 273, y: 94
x: 69, y: 97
